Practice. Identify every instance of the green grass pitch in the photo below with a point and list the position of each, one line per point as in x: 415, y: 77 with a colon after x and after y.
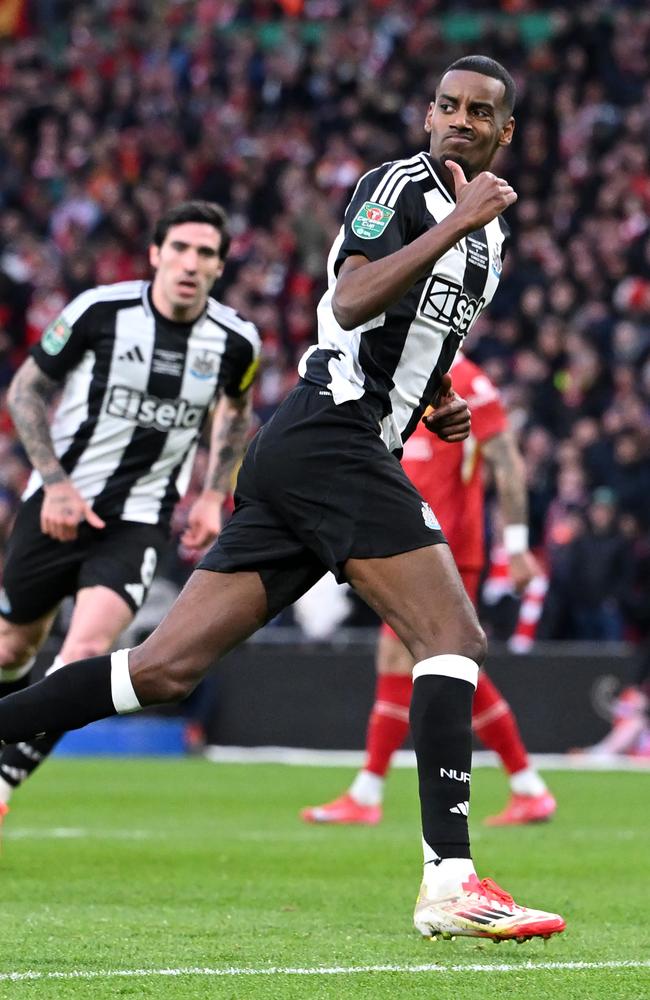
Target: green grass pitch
x: 122, y: 865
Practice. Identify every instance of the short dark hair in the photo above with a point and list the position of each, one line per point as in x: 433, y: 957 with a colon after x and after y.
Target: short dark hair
x: 194, y: 211
x: 489, y: 67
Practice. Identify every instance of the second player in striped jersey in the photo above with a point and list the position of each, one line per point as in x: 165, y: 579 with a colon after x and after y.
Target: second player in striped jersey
x: 139, y: 367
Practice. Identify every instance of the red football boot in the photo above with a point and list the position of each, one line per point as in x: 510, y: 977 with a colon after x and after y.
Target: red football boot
x: 344, y: 810
x: 523, y: 809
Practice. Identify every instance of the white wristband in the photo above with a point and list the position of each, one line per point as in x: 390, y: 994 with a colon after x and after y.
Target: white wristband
x: 515, y: 538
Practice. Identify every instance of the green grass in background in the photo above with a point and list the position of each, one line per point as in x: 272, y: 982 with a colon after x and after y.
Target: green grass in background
x: 158, y: 864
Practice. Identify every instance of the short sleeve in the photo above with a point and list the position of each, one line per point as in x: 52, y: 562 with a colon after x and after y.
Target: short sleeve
x: 64, y: 342
x: 243, y: 362
x: 386, y: 212
x: 488, y: 413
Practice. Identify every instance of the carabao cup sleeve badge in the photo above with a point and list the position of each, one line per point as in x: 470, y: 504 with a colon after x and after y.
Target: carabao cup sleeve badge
x: 56, y: 336
x: 371, y: 220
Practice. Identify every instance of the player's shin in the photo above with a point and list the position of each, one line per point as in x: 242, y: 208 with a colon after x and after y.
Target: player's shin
x: 441, y: 712
x: 79, y: 693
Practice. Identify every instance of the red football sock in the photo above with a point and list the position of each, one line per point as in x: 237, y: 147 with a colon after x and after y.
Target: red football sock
x: 389, y: 721
x: 496, y: 726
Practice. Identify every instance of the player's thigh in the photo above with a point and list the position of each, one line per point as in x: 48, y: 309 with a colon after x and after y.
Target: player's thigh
x: 19, y: 644
x: 99, y: 616
x: 471, y: 580
x: 215, y: 612
x: 392, y: 656
x: 421, y: 596
x: 38, y: 573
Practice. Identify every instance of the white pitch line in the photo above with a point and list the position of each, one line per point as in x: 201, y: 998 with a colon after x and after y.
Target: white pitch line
x: 305, y: 757
x: 75, y: 833
x: 337, y: 970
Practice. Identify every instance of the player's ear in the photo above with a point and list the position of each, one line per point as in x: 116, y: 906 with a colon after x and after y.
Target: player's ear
x: 505, y: 136
x: 429, y: 116
x: 154, y: 255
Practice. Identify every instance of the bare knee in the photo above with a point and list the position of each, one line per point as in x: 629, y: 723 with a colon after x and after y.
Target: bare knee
x: 474, y: 645
x: 157, y: 681
x: 83, y: 649
x: 467, y: 640
x: 16, y: 654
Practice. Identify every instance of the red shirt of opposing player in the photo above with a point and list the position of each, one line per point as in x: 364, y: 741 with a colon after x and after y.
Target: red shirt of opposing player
x: 450, y: 476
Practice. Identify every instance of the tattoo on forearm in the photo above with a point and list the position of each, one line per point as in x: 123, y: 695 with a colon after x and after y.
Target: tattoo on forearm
x: 29, y: 396
x: 509, y: 477
x: 229, y: 439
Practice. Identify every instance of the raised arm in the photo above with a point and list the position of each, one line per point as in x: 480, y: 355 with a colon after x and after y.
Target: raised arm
x: 365, y: 289
x: 231, y: 423
x: 29, y: 398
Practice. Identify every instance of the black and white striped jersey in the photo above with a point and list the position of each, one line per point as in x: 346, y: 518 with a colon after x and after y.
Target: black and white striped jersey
x: 397, y: 359
x: 137, y: 389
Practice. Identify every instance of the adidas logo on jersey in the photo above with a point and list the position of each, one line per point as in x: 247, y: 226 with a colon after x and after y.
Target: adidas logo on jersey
x: 462, y: 809
x: 149, y: 411
x: 133, y: 354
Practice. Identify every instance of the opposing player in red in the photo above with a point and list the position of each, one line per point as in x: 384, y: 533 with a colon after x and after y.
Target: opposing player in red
x: 450, y: 477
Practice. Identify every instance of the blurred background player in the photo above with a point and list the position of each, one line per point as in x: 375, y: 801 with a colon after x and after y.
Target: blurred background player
x: 450, y: 477
x: 630, y: 715
x: 140, y: 366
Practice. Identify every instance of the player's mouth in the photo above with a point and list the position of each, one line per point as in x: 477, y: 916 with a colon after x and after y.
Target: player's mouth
x: 187, y: 286
x: 459, y: 137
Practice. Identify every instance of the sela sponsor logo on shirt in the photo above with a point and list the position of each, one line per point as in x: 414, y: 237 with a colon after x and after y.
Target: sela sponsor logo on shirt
x: 429, y: 517
x: 149, y: 411
x: 455, y: 775
x: 445, y: 302
x: 204, y: 365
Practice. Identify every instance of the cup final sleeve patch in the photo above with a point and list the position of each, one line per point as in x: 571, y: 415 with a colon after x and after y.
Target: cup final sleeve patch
x: 56, y: 336
x: 371, y: 220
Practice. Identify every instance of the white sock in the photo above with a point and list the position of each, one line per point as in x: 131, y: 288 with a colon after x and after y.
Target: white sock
x: 367, y: 789
x: 124, y: 697
x: 446, y: 877
x: 6, y: 791
x: 527, y: 782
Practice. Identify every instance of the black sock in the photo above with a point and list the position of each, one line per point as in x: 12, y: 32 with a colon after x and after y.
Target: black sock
x: 67, y: 699
x: 441, y: 725
x: 19, y: 760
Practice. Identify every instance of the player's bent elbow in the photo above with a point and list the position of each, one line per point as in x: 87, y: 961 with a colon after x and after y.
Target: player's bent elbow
x: 345, y: 315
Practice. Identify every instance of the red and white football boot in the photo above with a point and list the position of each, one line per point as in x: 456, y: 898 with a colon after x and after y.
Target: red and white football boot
x: 483, y: 910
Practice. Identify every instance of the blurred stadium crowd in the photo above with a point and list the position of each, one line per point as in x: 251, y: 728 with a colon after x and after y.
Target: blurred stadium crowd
x: 110, y: 112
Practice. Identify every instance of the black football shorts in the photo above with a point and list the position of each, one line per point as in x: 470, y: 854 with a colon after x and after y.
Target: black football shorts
x: 39, y: 571
x: 318, y: 487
